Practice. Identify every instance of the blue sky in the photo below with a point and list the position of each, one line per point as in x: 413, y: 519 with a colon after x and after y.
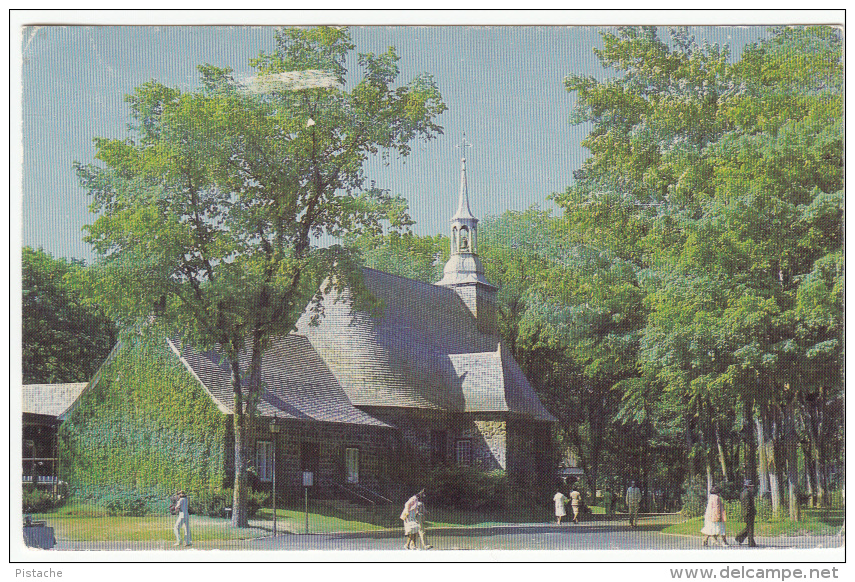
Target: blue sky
x: 503, y: 86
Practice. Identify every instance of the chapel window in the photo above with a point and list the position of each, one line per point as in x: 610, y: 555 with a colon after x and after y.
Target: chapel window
x: 463, y: 452
x: 351, y: 465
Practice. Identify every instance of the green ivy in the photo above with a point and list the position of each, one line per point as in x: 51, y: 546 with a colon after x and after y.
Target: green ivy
x: 148, y: 426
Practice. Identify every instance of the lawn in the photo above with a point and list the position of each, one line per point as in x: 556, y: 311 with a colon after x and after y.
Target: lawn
x: 82, y: 522
x: 86, y: 522
x: 814, y: 522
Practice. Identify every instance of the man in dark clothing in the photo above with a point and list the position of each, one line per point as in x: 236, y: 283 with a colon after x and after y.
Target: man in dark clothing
x: 747, y: 501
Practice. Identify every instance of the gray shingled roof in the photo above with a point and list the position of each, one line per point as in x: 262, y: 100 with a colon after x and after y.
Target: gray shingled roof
x: 298, y: 385
x: 50, y: 399
x: 425, y: 351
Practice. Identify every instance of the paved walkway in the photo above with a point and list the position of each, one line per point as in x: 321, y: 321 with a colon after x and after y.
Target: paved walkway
x: 593, y: 535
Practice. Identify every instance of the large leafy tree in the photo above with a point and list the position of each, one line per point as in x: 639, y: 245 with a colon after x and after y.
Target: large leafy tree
x: 210, y: 212
x: 404, y: 253
x: 717, y: 186
x: 64, y: 338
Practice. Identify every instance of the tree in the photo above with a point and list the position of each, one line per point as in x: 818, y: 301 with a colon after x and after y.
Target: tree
x: 210, y: 212
x: 719, y: 186
x: 64, y: 339
x: 405, y: 254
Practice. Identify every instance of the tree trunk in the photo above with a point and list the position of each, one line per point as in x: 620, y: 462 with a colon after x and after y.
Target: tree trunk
x: 691, y: 461
x: 750, y: 442
x: 239, y: 513
x: 791, y: 447
x: 814, y: 425
x: 810, y: 479
x: 597, y: 425
x: 721, y: 456
x: 243, y: 429
x: 763, y: 469
x: 710, y: 481
x: 766, y: 423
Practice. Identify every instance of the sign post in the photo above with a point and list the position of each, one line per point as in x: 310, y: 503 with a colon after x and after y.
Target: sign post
x: 274, y: 431
x: 308, y: 480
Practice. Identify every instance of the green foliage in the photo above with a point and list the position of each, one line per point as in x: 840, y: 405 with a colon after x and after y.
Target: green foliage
x: 121, y: 502
x: 211, y: 212
x: 213, y: 503
x: 64, y: 338
x: 39, y: 501
x: 764, y: 509
x: 466, y: 487
x: 408, y: 255
x: 147, y: 426
x: 694, y: 499
x: 709, y: 217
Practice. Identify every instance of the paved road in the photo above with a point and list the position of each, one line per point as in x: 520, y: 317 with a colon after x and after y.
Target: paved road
x: 598, y: 535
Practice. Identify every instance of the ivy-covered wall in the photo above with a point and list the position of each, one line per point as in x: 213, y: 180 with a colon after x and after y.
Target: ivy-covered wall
x: 147, y: 425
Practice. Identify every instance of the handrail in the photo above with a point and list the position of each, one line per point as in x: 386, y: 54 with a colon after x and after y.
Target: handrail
x: 372, y: 492
x: 354, y: 493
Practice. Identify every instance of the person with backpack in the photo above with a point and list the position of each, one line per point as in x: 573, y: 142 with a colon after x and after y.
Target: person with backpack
x: 181, y: 508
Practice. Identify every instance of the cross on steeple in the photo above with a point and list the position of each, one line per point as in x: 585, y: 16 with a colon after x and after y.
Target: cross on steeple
x: 463, y: 145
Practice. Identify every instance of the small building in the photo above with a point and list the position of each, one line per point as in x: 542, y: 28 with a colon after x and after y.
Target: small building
x: 42, y: 405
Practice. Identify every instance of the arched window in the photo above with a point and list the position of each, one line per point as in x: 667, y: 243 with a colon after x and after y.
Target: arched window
x: 464, y: 240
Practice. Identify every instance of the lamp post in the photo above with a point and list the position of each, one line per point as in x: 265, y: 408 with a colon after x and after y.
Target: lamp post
x: 274, y: 430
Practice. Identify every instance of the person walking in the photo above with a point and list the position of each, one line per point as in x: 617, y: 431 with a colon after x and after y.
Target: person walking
x: 575, y: 503
x: 409, y: 517
x: 421, y: 512
x: 560, y: 501
x: 746, y: 499
x: 633, y: 500
x: 715, y: 518
x: 181, y: 505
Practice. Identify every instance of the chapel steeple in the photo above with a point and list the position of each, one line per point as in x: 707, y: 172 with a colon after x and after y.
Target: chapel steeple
x: 464, y: 272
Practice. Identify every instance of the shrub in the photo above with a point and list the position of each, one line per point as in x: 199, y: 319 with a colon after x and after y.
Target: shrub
x: 214, y: 503
x: 130, y: 502
x: 38, y: 501
x: 730, y: 491
x: 467, y: 488
x: 734, y: 511
x: 694, y: 499
x: 764, y: 508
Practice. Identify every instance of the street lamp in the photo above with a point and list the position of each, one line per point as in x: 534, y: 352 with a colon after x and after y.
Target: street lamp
x: 274, y: 430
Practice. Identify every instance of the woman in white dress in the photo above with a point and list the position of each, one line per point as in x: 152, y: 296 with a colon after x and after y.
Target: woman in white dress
x: 560, y: 501
x: 715, y: 518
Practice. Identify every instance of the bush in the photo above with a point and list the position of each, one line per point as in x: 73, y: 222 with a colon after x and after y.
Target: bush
x: 467, y: 488
x: 37, y: 501
x: 214, y: 503
x: 734, y: 511
x: 695, y: 499
x: 764, y: 508
x: 730, y: 491
x: 130, y: 502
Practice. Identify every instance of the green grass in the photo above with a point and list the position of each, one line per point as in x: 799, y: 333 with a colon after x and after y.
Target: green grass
x: 814, y: 522
x: 90, y: 523
x: 447, y: 517
x: 294, y: 521
x: 152, y: 528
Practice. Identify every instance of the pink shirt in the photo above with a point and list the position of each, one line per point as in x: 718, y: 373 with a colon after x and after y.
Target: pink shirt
x: 715, y: 509
x: 410, y: 506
